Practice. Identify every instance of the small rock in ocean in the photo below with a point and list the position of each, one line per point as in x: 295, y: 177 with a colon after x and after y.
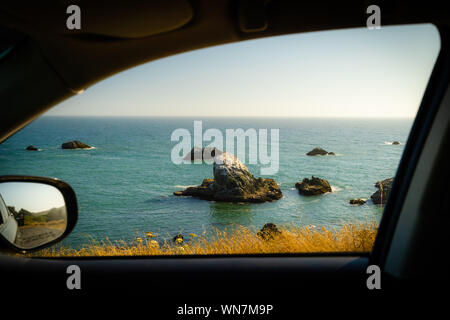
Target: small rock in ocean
x: 318, y: 151
x: 207, y: 153
x: 75, y: 145
x: 357, y: 201
x: 32, y: 148
x: 313, y: 186
x: 395, y: 142
x: 233, y: 182
x: 178, y: 239
x: 384, y: 188
x: 268, y: 231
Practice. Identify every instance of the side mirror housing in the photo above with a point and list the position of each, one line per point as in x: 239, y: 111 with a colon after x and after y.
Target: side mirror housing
x: 35, y: 212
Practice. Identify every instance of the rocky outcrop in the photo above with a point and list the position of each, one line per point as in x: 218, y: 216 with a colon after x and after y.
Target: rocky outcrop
x: 203, y: 191
x: 357, y: 201
x: 207, y: 153
x: 318, y: 151
x: 32, y: 148
x: 268, y: 232
x: 395, y: 142
x: 178, y: 239
x: 384, y: 188
x: 233, y: 182
x: 313, y: 186
x: 75, y: 145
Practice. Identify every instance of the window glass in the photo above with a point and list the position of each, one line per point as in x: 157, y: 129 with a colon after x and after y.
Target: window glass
x: 313, y: 127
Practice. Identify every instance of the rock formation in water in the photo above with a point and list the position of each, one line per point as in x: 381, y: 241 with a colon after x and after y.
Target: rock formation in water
x: 268, y: 232
x: 75, y: 145
x: 318, y: 151
x: 357, y: 201
x: 313, y: 186
x: 382, y: 194
x: 233, y: 182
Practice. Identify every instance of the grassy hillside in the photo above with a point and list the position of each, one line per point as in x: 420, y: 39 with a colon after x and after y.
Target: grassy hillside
x: 348, y: 238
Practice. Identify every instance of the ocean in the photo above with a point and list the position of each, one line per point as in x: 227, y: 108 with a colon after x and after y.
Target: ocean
x: 125, y: 184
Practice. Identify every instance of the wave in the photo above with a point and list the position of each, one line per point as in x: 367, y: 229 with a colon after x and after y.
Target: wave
x: 90, y: 148
x: 184, y: 187
x: 335, y: 189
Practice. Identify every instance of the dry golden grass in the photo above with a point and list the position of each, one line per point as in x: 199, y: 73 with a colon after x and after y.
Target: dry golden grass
x: 349, y: 238
x: 54, y: 224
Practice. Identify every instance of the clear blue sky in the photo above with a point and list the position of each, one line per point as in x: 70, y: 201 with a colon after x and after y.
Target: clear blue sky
x: 343, y: 73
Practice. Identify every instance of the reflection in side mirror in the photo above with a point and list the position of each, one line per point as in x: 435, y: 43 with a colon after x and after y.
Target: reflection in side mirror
x: 33, y: 214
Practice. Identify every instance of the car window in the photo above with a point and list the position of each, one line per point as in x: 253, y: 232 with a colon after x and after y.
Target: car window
x: 285, y: 144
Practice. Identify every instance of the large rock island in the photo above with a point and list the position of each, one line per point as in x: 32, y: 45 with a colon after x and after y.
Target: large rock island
x: 75, y: 145
x: 318, y: 151
x: 313, y: 186
x: 31, y: 148
x: 384, y: 188
x: 233, y: 182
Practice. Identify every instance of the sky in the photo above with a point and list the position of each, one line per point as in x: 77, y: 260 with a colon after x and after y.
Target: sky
x: 342, y: 73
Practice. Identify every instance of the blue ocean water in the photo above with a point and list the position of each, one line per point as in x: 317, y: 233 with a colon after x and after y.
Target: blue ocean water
x: 124, y: 185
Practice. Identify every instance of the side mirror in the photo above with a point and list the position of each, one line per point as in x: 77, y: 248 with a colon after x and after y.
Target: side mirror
x: 35, y: 212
